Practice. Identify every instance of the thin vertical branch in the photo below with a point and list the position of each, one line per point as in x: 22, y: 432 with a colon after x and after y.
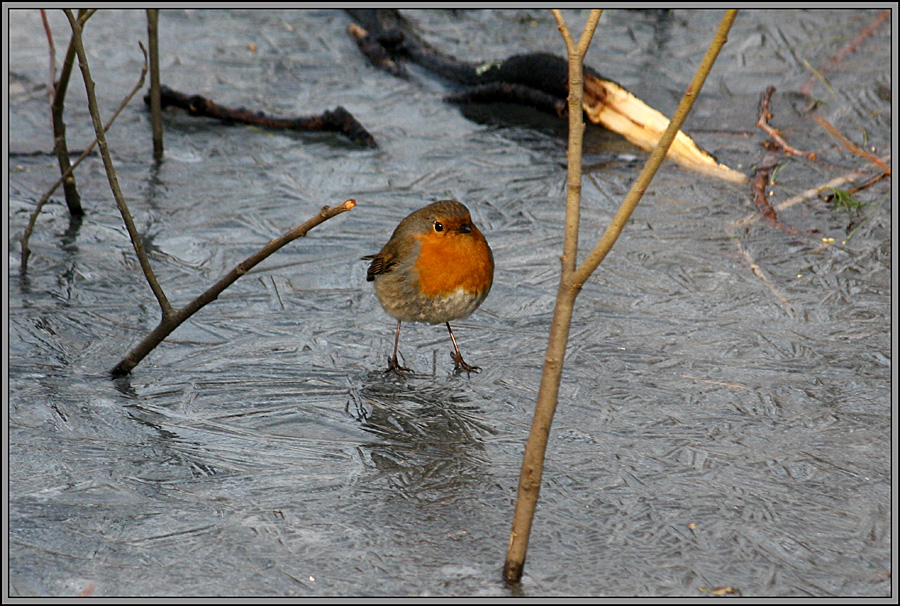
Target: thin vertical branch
x: 26, y: 251
x: 57, y: 107
x: 575, y: 100
x: 155, y: 103
x: 533, y: 459
x: 52, y: 86
x: 171, y: 318
x: 572, y: 279
x: 110, y: 169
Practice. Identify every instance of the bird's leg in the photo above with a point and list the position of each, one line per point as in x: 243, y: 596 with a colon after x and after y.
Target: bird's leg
x: 393, y: 362
x: 457, y: 357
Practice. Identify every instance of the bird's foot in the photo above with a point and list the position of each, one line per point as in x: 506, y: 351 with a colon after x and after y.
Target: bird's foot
x: 462, y: 365
x: 395, y: 367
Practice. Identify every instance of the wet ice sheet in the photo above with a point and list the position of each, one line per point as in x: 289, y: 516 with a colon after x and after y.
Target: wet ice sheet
x: 709, y: 434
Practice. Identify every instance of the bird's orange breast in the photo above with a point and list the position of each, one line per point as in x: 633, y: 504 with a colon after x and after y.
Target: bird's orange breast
x: 453, y: 261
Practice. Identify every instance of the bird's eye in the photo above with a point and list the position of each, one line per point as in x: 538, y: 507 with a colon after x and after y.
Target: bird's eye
x: 438, y: 226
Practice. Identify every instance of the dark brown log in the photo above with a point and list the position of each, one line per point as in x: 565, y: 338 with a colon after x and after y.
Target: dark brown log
x: 336, y: 120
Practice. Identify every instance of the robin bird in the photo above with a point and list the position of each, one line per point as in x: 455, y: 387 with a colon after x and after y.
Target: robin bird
x: 437, y: 267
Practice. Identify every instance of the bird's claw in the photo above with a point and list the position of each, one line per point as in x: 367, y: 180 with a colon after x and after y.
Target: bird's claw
x: 462, y: 365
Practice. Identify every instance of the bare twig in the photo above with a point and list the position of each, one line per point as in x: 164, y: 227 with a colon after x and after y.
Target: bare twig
x: 849, y: 48
x: 155, y: 105
x: 533, y: 459
x: 752, y: 218
x: 57, y: 106
x: 868, y: 183
x: 136, y: 241
x: 848, y: 177
x: 763, y: 122
x: 759, y: 184
x: 760, y: 180
x: 749, y: 220
x: 572, y: 277
x: 637, y: 190
x: 50, y: 89
x: 173, y: 320
x: 26, y: 251
x: 850, y: 145
x: 759, y: 273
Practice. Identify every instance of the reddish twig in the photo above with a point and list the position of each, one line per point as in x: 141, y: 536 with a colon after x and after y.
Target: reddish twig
x: 868, y: 183
x: 774, y: 133
x: 808, y: 194
x: 858, y: 188
x: 337, y: 120
x: 759, y: 182
x: 851, y: 47
x: 850, y: 145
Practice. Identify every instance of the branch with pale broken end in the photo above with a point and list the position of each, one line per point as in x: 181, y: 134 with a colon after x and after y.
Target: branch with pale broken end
x: 617, y: 109
x: 536, y: 80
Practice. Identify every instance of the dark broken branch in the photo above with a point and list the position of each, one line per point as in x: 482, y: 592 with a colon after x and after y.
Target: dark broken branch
x: 154, y: 94
x: 337, y: 120
x: 374, y: 49
x: 496, y: 92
